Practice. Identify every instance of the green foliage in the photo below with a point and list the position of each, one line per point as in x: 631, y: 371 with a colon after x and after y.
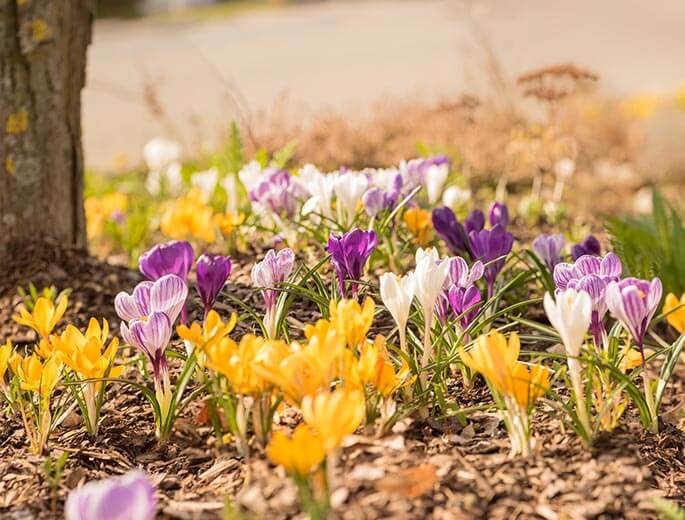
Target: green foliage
x: 652, y: 245
x: 668, y: 510
x: 30, y: 298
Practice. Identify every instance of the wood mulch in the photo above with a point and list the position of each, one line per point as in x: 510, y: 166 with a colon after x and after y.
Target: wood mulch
x: 436, y: 468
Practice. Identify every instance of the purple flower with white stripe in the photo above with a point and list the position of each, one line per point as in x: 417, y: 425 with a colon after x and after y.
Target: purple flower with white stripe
x: 267, y: 274
x: 451, y: 231
x: 633, y: 302
x: 465, y: 303
x: 499, y: 214
x: 592, y: 275
x: 491, y: 246
x: 174, y: 257
x: 459, y: 276
x: 212, y: 273
x: 128, y: 497
x: 167, y: 295
x: 589, y: 246
x: 548, y: 248
x: 349, y: 253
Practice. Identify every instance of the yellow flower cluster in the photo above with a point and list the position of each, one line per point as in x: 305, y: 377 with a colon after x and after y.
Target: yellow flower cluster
x: 100, y: 210
x: 189, y: 217
x: 497, y: 360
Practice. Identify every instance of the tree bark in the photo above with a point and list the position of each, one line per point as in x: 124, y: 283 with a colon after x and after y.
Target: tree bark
x: 43, y: 47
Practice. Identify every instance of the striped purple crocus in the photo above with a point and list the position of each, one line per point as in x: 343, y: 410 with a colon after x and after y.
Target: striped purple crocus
x: 633, y: 302
x: 212, y: 273
x: 548, y: 248
x: 349, y: 254
x: 459, y: 276
x: 128, y: 497
x: 267, y: 275
x: 591, y: 274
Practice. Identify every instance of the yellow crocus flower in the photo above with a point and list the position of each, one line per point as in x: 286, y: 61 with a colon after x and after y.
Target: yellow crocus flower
x: 227, y: 222
x: 100, y: 210
x: 334, y: 414
x: 676, y: 311
x: 213, y: 330
x: 38, y: 377
x: 44, y: 316
x: 88, y: 354
x: 351, y: 320
x: 529, y: 382
x: 189, y: 217
x: 300, y: 455
x: 6, y: 351
x: 375, y: 368
x: 418, y: 222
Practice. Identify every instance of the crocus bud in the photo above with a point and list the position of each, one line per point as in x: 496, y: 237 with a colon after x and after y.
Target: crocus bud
x: 499, y: 214
x: 212, y: 273
x: 589, y: 246
x: 373, y: 201
x: 475, y: 221
x: 349, y: 253
x: 548, y: 248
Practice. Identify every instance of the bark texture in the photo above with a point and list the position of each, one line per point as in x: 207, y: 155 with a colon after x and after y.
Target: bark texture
x: 43, y: 46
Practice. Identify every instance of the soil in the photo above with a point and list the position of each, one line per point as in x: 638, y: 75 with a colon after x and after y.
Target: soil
x: 437, y: 468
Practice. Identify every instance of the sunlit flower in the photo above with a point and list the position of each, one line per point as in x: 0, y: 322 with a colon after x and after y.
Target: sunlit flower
x: 349, y: 254
x: 6, y: 352
x: 451, y: 231
x: 633, y: 302
x: 397, y: 295
x: 104, y: 209
x: 349, y: 188
x: 375, y: 368
x: 351, y: 320
x: 499, y: 214
x: 268, y: 274
x: 474, y: 221
x: 418, y: 222
x: 212, y: 330
x: 548, y: 248
x: 162, y: 158
x: 588, y: 246
x: 189, y: 217
x: 491, y: 246
x: 205, y: 181
x: 173, y: 257
x: 39, y: 377
x: 129, y: 497
x: 455, y: 197
x: 212, y: 273
x: 88, y: 353
x: 228, y: 222
x: 44, y: 316
x: 675, y: 311
x: 166, y: 294
x: 334, y: 414
x: 301, y: 454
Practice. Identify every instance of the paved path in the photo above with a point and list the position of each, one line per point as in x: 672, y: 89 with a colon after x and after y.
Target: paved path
x: 348, y: 55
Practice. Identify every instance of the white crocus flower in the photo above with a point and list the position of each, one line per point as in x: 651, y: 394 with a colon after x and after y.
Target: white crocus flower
x: 455, y: 197
x: 162, y: 158
x: 430, y: 274
x: 397, y: 294
x: 206, y: 182
x: 250, y: 174
x: 570, y: 315
x: 229, y: 186
x: 349, y: 188
x: 436, y: 175
x: 320, y: 188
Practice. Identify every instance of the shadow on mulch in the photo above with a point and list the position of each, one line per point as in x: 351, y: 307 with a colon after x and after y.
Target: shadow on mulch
x: 438, y: 468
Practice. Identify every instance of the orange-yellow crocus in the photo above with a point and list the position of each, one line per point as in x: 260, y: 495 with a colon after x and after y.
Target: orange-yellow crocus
x: 301, y: 454
x: 418, y: 222
x: 351, y: 320
x: 6, y: 351
x: 675, y: 310
x: 375, y: 368
x: 36, y: 376
x: 212, y: 331
x: 87, y: 353
x: 189, y: 217
x: 334, y: 414
x: 44, y: 316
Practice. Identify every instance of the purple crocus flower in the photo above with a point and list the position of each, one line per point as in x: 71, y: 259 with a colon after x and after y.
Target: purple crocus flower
x: 174, y: 257
x: 592, y: 275
x: 277, y: 192
x: 458, y: 276
x: 548, y: 248
x: 414, y: 172
x: 274, y: 269
x: 475, y: 221
x: 491, y: 246
x: 151, y: 337
x: 129, y: 497
x: 499, y: 214
x: 373, y: 201
x: 465, y: 303
x: 167, y: 295
x: 212, y: 273
x: 589, y: 246
x: 451, y: 231
x: 633, y: 302
x: 349, y: 253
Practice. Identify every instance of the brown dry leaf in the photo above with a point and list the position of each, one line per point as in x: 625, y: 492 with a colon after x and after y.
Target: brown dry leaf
x: 411, y: 482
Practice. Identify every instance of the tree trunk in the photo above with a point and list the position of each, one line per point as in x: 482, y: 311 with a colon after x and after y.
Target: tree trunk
x: 43, y: 47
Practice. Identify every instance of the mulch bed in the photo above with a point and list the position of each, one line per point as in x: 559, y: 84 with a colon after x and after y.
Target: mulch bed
x: 436, y: 468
